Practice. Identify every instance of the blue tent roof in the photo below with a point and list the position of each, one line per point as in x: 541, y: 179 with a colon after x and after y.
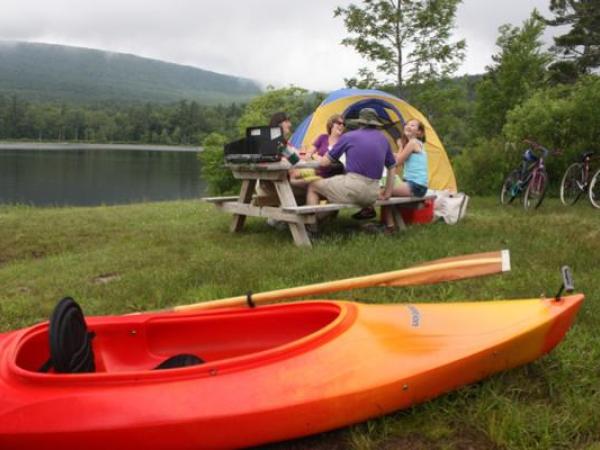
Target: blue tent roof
x: 349, y: 92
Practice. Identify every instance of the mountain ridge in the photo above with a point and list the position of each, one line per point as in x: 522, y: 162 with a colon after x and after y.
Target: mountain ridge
x: 52, y: 72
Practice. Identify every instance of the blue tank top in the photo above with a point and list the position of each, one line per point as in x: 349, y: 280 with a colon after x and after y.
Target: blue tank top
x: 415, y: 167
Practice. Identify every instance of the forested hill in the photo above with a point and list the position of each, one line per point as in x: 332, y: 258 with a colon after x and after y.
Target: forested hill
x: 44, y: 72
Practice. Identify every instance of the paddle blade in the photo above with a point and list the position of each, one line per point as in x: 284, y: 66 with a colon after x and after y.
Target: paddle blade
x: 459, y: 268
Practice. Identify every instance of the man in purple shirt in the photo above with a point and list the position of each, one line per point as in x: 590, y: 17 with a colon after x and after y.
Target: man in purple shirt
x: 367, y: 152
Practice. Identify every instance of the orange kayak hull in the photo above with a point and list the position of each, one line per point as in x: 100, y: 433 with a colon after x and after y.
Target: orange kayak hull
x: 271, y: 373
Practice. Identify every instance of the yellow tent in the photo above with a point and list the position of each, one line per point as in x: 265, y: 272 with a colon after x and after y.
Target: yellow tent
x: 348, y: 102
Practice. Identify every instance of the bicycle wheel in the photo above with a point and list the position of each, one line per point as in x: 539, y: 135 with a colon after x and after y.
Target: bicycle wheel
x: 594, y: 192
x: 510, y: 188
x: 573, y: 184
x: 536, y: 189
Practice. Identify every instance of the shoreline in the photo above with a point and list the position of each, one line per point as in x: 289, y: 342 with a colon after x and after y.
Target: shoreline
x: 85, y: 146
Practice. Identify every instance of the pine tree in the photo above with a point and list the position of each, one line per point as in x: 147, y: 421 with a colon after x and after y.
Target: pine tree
x: 578, y: 50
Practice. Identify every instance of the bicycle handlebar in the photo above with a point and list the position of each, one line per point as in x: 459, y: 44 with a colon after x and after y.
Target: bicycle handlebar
x: 556, y: 151
x: 532, y: 143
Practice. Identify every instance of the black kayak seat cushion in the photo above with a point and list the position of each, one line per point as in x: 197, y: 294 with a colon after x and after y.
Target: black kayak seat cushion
x: 182, y: 360
x: 71, y: 343
x: 69, y: 339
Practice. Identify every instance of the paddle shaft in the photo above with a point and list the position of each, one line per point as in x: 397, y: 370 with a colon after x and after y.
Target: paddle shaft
x: 433, y: 272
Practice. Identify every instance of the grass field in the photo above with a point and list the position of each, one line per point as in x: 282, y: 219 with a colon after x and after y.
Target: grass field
x: 140, y: 257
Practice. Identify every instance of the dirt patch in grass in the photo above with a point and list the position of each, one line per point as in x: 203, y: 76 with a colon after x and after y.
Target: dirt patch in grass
x: 411, y: 441
x: 37, y: 254
x: 463, y: 439
x: 333, y: 440
x: 105, y: 278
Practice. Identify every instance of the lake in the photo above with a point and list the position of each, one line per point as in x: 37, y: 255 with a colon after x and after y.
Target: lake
x: 89, y: 175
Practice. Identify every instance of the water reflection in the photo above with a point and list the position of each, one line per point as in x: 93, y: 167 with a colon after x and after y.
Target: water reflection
x: 95, y: 177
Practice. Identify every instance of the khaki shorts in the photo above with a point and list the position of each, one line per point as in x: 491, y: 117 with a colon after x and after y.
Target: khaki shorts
x: 348, y: 188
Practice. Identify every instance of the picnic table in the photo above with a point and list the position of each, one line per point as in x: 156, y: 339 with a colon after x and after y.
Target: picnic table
x: 282, y: 205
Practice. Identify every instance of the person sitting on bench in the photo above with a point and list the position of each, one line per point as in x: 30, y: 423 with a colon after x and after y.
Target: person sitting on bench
x: 367, y: 153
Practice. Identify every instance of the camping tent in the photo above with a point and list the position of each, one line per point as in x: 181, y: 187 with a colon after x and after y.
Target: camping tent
x: 394, y: 111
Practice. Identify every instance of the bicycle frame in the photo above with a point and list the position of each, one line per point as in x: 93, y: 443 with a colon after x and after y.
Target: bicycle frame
x: 585, y: 176
x: 577, y: 179
x: 533, y: 169
x: 531, y: 180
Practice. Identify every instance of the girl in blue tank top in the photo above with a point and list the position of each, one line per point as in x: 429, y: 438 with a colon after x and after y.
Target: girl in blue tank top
x: 414, y: 157
x: 415, y: 177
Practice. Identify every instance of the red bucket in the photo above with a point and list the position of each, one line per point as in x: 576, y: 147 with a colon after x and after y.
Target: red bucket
x: 418, y: 215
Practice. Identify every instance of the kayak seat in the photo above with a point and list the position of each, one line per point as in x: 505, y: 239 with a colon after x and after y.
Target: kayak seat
x: 69, y: 339
x: 182, y: 360
x: 71, y: 343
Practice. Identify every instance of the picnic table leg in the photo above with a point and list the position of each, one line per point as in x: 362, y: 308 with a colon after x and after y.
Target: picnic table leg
x: 245, y: 197
x: 398, y: 220
x: 286, y: 197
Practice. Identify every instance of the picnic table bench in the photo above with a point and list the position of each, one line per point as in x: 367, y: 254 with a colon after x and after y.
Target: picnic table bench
x: 285, y: 208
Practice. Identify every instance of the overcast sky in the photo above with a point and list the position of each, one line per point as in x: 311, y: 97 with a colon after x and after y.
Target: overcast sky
x: 273, y: 42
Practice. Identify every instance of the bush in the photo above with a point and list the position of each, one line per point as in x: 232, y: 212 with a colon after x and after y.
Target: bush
x: 481, y: 169
x: 564, y: 117
x: 217, y: 177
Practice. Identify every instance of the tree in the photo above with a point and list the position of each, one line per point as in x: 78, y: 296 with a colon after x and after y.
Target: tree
x: 563, y: 116
x: 14, y: 118
x: 578, y: 49
x: 292, y: 100
x: 408, y: 39
x: 519, y: 68
x: 218, y: 178
x: 446, y: 105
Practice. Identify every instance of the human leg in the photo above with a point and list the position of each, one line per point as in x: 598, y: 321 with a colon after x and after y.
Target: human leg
x: 312, y: 196
x: 402, y: 190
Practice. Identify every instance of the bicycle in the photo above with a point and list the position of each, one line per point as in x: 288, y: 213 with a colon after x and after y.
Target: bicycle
x: 577, y: 180
x: 531, y: 180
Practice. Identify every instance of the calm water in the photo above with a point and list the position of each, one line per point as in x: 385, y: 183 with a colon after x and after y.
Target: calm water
x: 95, y: 177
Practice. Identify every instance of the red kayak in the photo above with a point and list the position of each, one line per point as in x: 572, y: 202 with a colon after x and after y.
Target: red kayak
x: 239, y: 376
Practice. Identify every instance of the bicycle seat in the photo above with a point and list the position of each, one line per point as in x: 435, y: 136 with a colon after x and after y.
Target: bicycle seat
x: 586, y: 155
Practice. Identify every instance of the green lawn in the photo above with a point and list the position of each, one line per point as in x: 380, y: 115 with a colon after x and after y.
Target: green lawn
x: 147, y: 256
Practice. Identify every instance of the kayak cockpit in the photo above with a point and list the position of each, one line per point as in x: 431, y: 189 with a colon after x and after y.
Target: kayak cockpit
x: 226, y: 338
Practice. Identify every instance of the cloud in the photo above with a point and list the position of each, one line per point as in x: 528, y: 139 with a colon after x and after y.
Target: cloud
x: 273, y: 42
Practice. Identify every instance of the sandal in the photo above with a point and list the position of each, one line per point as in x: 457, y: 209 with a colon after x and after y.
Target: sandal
x: 365, y: 214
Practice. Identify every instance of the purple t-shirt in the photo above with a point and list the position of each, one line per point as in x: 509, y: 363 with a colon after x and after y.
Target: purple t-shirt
x: 367, y: 152
x: 322, y: 144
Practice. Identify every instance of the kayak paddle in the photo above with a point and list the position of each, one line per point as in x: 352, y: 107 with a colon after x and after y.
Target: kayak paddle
x: 446, y: 269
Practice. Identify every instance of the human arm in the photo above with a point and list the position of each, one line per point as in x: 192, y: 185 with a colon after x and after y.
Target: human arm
x: 333, y: 156
x: 406, y: 151
x: 311, y: 153
x: 318, y: 148
x: 389, y: 184
x: 390, y: 164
